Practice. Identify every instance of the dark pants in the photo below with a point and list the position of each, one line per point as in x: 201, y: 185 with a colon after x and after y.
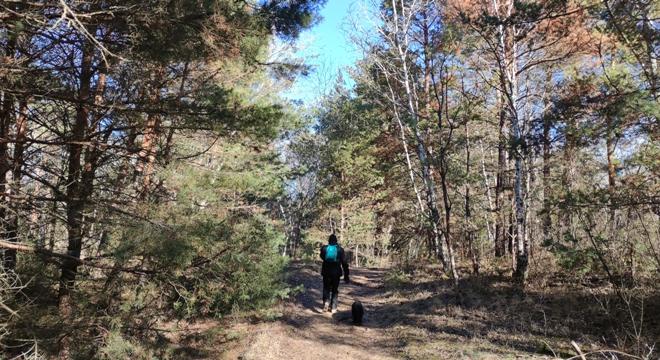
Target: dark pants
x: 331, y: 290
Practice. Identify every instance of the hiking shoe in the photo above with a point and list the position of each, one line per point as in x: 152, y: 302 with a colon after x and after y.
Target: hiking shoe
x: 334, y: 311
x: 326, y: 307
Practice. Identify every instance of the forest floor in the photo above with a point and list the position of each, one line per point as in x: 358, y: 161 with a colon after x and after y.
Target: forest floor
x: 405, y: 318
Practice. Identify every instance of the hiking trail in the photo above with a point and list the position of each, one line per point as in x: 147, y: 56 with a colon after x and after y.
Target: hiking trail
x: 306, y: 332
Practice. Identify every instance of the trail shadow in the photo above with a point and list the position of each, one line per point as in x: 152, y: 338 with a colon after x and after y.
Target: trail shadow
x: 342, y: 318
x: 189, y: 352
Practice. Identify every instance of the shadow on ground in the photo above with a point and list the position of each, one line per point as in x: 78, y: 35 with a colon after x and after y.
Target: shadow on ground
x: 486, y: 312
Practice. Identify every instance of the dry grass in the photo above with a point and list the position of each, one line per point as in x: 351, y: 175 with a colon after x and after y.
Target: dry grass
x: 487, y: 316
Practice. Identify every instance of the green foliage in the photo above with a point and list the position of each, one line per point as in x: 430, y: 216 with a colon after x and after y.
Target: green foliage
x: 118, y: 347
x: 289, y: 18
x: 572, y: 258
x: 187, y: 30
x: 396, y: 279
x: 212, y: 259
x: 350, y: 129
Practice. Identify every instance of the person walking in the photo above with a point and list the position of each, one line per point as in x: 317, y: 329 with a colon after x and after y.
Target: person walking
x: 334, y: 265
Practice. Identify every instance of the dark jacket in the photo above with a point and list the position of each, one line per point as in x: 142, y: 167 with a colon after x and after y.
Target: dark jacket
x: 334, y: 268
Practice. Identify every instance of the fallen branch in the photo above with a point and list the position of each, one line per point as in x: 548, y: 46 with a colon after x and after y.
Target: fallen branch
x: 583, y: 356
x: 577, y: 349
x: 8, y: 309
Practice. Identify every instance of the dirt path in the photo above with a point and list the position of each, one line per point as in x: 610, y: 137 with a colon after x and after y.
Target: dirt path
x: 305, y: 332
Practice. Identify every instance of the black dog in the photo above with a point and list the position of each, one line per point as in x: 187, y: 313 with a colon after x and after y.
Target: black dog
x: 357, y: 312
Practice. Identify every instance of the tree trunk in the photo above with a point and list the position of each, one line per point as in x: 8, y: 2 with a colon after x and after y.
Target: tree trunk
x: 500, y: 220
x: 509, y: 85
x: 426, y: 114
x: 650, y: 36
x: 152, y: 130
x: 469, y: 231
x: 522, y: 242
x: 431, y: 196
x: 444, y: 169
x: 15, y: 188
x: 547, y: 219
x: 7, y: 110
x: 342, y: 218
x: 448, y: 235
x: 611, y: 174
x: 79, y: 185
x: 610, y: 143
x: 411, y: 173
x: 287, y: 229
x: 565, y: 217
x: 489, y: 197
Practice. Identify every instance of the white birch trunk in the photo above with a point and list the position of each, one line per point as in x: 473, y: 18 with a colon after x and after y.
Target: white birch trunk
x: 422, y: 154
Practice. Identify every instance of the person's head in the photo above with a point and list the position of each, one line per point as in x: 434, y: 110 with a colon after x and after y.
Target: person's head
x: 332, y: 239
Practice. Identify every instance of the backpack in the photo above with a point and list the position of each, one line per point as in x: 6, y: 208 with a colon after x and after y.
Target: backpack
x: 332, y: 253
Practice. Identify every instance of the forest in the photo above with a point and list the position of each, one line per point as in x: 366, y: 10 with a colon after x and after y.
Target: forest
x: 499, y: 156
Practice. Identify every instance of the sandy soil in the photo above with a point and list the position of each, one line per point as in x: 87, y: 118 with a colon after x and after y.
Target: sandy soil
x: 306, y: 332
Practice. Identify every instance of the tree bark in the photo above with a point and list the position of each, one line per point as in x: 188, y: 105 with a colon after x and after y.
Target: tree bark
x: 7, y: 113
x: 15, y: 187
x: 547, y: 219
x: 489, y: 197
x: 509, y: 84
x: 469, y: 231
x: 565, y: 217
x: 150, y: 136
x: 448, y: 235
x: 444, y: 181
x: 500, y: 220
x: 611, y: 173
x: 522, y: 242
x: 342, y: 217
x: 79, y: 186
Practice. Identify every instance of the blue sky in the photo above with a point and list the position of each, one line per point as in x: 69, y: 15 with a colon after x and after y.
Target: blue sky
x: 326, y: 48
